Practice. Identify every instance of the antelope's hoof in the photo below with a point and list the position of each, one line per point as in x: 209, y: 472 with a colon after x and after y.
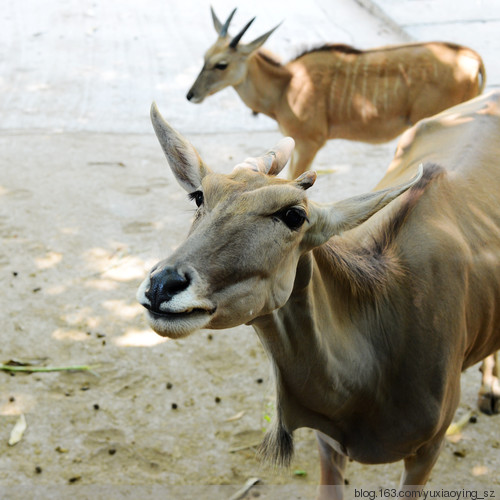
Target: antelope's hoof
x: 489, y: 401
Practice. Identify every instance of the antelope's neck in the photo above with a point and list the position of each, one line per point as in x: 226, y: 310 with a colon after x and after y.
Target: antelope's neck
x: 264, y: 84
x: 314, y: 351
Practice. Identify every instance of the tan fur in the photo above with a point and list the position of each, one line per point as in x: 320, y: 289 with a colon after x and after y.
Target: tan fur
x: 369, y: 308
x: 337, y: 91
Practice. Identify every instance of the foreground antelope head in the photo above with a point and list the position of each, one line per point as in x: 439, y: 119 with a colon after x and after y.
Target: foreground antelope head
x: 250, y: 230
x: 225, y: 61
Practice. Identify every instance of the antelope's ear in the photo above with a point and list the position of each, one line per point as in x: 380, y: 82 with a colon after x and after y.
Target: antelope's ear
x: 219, y: 27
x: 184, y: 160
x: 328, y: 220
x: 258, y: 42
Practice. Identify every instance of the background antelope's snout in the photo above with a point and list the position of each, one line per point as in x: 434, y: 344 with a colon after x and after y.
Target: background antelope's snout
x: 164, y: 283
x: 194, y: 96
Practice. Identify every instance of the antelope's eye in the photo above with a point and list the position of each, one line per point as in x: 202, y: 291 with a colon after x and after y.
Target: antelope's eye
x: 197, y: 196
x: 221, y: 65
x: 293, y: 217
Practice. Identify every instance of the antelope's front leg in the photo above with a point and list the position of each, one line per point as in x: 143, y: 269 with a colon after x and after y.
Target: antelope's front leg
x: 332, y: 466
x: 489, y: 394
x: 302, y: 157
x: 418, y: 467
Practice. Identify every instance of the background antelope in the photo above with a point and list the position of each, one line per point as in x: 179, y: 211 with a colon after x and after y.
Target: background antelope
x: 369, y: 308
x: 337, y: 91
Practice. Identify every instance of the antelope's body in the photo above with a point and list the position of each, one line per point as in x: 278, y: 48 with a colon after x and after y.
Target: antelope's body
x: 337, y: 91
x: 369, y: 308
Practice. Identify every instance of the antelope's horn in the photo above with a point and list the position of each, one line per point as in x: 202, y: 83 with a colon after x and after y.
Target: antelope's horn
x: 215, y: 19
x: 237, y: 38
x: 223, y: 31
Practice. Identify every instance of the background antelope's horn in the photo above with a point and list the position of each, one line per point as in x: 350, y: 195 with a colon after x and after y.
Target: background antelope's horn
x: 223, y: 31
x: 237, y: 38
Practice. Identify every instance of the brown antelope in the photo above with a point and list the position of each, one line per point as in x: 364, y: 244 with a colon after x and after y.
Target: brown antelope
x: 369, y: 308
x: 337, y: 91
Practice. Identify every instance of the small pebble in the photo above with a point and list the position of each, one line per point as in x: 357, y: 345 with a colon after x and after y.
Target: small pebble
x: 74, y: 479
x: 111, y: 451
x: 12, y: 399
x: 169, y: 385
x: 260, y: 380
x: 473, y: 419
x: 96, y: 406
x: 38, y: 469
x: 217, y: 399
x: 210, y: 336
x: 174, y: 406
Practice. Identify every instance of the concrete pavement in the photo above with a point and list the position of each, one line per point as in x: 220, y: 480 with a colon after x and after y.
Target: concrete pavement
x: 68, y: 66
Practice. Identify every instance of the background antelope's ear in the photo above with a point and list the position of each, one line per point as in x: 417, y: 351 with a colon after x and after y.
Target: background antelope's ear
x: 258, y: 42
x: 183, y: 159
x: 329, y: 220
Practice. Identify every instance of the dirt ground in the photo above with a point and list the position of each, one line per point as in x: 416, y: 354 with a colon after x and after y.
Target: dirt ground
x: 82, y: 218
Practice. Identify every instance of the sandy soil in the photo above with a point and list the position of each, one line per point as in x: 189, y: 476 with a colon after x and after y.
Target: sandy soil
x: 82, y: 217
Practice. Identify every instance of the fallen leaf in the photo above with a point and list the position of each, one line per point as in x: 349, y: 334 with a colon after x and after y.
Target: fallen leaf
x: 18, y: 430
x: 235, y: 417
x: 457, y: 427
x: 240, y: 494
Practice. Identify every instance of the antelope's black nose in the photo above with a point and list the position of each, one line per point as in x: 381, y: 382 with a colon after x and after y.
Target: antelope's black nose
x: 165, y: 282
x: 189, y: 95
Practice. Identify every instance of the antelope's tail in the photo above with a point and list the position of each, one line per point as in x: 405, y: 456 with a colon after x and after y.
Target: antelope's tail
x: 481, y: 75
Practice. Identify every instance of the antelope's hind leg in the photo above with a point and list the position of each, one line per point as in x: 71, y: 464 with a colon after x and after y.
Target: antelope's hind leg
x: 489, y: 394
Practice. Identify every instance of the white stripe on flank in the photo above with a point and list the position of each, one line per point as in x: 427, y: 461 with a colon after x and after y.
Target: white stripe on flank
x: 345, y: 89
x: 375, y: 87
x: 353, y: 88
x: 365, y: 79
x: 332, y: 103
x: 386, y: 91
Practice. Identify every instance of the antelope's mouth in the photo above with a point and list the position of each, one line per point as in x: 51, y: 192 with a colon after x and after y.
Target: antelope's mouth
x: 193, y: 312
x: 197, y: 99
x: 174, y: 313
x: 181, y: 323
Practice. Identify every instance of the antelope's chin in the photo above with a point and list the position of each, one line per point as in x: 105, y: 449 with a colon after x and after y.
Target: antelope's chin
x: 178, y: 325
x: 197, y: 99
